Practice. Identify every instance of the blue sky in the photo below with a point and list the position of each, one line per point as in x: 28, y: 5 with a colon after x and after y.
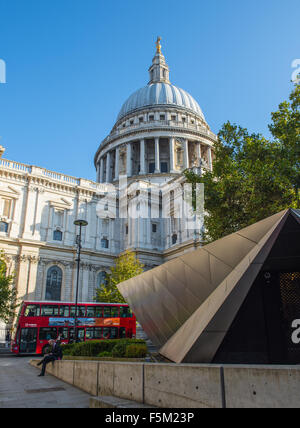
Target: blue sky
x: 72, y: 63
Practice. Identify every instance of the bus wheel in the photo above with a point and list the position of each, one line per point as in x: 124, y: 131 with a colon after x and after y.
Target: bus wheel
x: 46, y: 350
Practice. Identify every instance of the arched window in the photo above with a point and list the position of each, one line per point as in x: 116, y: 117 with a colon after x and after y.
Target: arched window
x: 3, y: 227
x: 101, y: 279
x: 54, y: 281
x: 104, y: 243
x: 57, y: 235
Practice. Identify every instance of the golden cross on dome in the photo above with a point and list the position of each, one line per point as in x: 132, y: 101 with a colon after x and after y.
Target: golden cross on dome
x: 158, y: 45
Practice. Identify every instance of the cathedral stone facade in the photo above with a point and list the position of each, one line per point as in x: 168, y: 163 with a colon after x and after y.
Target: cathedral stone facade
x: 160, y: 131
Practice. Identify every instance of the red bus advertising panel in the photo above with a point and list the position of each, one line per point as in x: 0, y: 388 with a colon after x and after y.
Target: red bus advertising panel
x: 38, y: 322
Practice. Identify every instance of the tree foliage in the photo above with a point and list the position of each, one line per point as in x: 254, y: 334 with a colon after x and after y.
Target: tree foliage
x: 127, y: 266
x: 8, y: 294
x: 252, y: 177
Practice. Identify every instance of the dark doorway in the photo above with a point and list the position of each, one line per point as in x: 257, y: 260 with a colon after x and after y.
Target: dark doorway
x: 266, y: 330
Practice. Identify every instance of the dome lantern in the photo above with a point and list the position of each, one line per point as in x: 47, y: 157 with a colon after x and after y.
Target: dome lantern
x: 159, y: 70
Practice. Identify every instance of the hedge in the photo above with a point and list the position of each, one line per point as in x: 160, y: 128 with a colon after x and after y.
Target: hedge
x: 115, y: 348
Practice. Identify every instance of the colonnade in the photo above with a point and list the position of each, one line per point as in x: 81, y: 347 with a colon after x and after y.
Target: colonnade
x: 107, y: 172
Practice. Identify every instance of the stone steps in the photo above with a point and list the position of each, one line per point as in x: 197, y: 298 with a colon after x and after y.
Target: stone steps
x: 140, y: 334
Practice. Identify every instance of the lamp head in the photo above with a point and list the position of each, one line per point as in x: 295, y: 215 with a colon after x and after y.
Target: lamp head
x: 80, y: 223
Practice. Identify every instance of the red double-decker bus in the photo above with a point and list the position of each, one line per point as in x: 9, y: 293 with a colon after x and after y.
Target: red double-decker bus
x: 38, y: 322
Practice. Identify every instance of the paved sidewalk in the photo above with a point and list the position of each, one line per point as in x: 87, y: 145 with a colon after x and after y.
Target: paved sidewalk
x: 20, y: 387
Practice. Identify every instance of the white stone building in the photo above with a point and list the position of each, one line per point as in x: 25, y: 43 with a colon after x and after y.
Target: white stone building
x: 160, y: 131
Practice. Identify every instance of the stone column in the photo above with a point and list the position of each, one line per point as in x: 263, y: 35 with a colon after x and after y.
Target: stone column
x: 101, y: 170
x: 172, y: 164
x: 128, y: 160
x: 198, y: 153
x: 209, y: 154
x: 107, y: 167
x: 142, y: 157
x: 157, y: 156
x: 117, y: 163
x: 98, y: 173
x: 185, y: 154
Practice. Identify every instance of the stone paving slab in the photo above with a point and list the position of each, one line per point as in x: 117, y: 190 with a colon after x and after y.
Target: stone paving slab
x: 20, y: 387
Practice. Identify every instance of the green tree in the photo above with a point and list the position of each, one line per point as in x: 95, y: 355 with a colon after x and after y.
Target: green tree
x: 8, y: 294
x: 252, y: 177
x: 126, y: 266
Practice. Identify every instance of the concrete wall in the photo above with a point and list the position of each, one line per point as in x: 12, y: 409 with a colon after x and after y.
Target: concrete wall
x: 185, y: 385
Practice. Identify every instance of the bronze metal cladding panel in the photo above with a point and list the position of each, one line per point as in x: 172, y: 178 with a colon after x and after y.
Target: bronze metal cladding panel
x: 166, y: 298
x: 200, y: 337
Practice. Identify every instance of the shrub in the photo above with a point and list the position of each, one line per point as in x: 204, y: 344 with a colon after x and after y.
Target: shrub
x: 119, y: 349
x: 104, y: 354
x: 92, y: 348
x: 136, y: 351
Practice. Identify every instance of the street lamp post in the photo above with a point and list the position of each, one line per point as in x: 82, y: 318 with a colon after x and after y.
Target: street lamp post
x: 81, y: 224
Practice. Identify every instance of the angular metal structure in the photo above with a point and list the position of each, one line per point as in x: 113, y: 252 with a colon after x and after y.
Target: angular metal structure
x: 188, y: 305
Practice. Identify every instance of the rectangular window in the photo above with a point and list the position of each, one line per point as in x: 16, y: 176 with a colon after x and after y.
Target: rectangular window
x: 154, y: 228
x: 6, y: 207
x: 89, y: 333
x: 65, y: 311
x: 125, y: 312
x: 151, y: 167
x: 141, y: 119
x: 104, y: 243
x: 164, y: 167
x: 122, y: 333
x: 97, y: 332
x: 114, y: 312
x: 3, y: 227
x: 162, y: 117
x: 113, y: 333
x: 57, y: 235
x: 63, y: 333
x: 48, y: 311
x: 173, y: 118
x: 107, y: 312
x: 80, y: 311
x: 32, y: 311
x: 99, y: 312
x: 58, y: 218
x: 90, y: 311
x: 80, y: 334
x: 106, y: 333
x: 47, y: 333
x: 151, y: 118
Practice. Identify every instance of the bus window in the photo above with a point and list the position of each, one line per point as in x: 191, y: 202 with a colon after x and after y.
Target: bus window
x: 98, y: 333
x: 80, y: 311
x: 106, y: 332
x: 113, y: 333
x: 107, y: 312
x: 63, y: 333
x: 32, y: 311
x: 47, y: 333
x: 125, y: 312
x: 48, y: 311
x: 122, y: 332
x: 99, y: 312
x: 80, y: 334
x: 114, y: 312
x: 89, y: 333
x: 64, y: 311
x: 90, y: 311
x: 71, y: 334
